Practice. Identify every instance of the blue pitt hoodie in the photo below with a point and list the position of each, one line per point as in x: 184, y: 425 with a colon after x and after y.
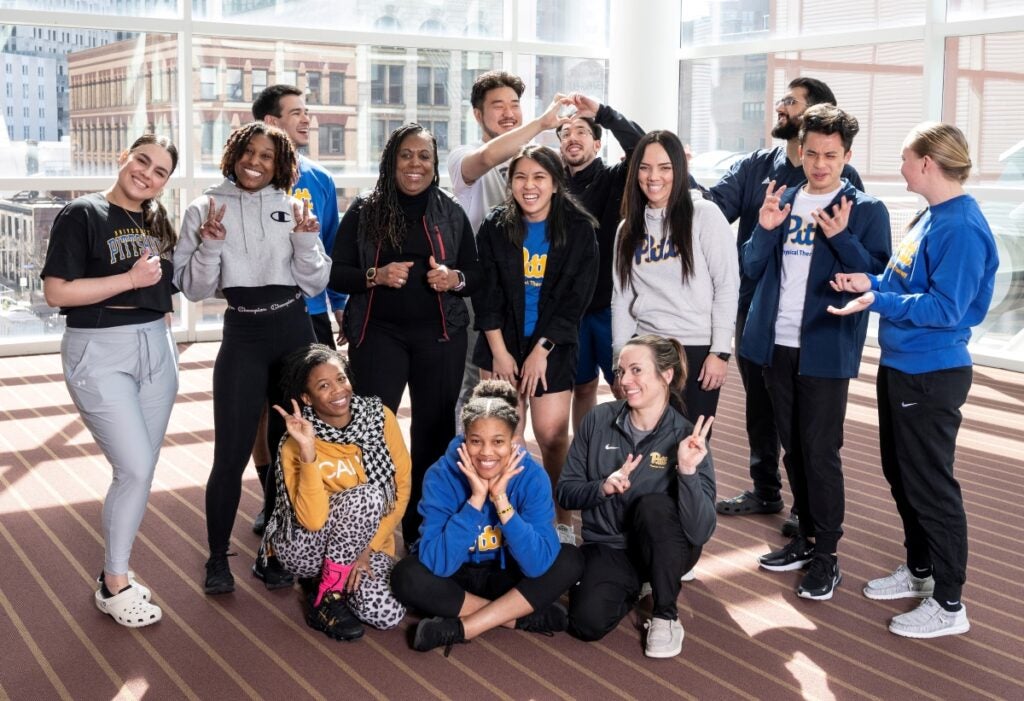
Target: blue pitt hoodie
x: 453, y: 532
x: 936, y: 287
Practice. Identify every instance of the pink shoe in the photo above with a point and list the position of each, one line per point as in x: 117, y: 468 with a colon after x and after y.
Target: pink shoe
x: 332, y: 578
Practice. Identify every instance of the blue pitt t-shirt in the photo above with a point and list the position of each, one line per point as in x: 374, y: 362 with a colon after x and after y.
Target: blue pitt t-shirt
x: 535, y: 260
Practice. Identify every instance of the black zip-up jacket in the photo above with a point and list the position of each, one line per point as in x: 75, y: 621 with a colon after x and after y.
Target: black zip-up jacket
x: 500, y: 303
x: 599, y: 189
x: 600, y: 448
x: 451, y: 241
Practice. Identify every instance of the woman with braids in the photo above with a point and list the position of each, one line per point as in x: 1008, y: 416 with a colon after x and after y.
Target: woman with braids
x: 676, y: 272
x: 108, y: 269
x: 342, y: 486
x: 488, y: 555
x: 260, y: 249
x: 642, y: 476
x: 405, y: 255
x: 539, y: 255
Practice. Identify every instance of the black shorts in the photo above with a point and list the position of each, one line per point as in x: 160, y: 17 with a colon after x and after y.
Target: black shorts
x: 561, y: 372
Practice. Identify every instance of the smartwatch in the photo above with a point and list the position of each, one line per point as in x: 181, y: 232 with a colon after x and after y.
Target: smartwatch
x: 371, y: 276
x: 724, y: 356
x: 546, y: 343
x: 462, y: 281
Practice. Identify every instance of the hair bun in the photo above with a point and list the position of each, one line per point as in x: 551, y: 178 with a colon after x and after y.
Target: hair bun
x: 497, y: 389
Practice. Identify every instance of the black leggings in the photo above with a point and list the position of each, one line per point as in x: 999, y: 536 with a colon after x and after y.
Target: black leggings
x: 246, y: 375
x: 658, y: 552
x: 391, y: 357
x: 420, y: 589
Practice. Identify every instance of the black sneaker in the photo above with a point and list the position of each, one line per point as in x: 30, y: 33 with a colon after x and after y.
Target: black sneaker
x: 219, y: 579
x: 334, y: 618
x: 548, y: 621
x: 749, y: 503
x: 791, y: 526
x: 273, y: 574
x: 259, y: 523
x: 437, y: 631
x: 822, y: 577
x: 794, y: 556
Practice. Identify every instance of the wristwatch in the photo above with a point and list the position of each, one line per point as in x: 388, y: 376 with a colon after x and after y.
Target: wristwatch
x: 724, y: 356
x: 462, y: 281
x: 546, y: 343
x: 371, y: 276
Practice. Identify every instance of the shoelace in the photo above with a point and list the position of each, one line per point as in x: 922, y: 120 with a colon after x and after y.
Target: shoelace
x: 820, y: 568
x: 536, y: 623
x: 219, y: 565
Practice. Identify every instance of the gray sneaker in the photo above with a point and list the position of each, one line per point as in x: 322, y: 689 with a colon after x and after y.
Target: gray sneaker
x: 664, y: 638
x: 901, y: 584
x: 929, y: 620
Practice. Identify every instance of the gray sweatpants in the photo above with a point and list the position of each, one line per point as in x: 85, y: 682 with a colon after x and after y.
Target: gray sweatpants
x: 123, y: 380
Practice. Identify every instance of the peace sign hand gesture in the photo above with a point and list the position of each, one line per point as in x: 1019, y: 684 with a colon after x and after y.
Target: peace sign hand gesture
x: 770, y: 216
x: 618, y: 481
x: 212, y: 228
x: 693, y: 449
x: 305, y: 221
x: 301, y: 430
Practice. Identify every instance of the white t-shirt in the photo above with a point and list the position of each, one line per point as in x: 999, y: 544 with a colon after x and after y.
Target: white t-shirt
x: 796, y: 264
x: 483, y: 194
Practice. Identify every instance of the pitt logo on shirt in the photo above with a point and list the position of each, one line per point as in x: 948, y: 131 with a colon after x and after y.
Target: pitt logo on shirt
x: 490, y: 538
x: 658, y: 460
x: 651, y: 251
x: 533, y: 267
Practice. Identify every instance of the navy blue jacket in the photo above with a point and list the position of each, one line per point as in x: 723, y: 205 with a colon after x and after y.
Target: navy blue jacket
x: 740, y: 193
x: 830, y: 345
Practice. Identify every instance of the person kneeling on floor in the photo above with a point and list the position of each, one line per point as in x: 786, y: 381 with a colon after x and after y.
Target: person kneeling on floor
x: 488, y: 554
x: 343, y: 485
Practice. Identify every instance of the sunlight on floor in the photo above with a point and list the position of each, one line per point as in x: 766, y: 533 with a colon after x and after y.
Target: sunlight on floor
x: 813, y: 679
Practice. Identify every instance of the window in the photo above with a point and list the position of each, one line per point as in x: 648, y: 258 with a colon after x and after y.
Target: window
x: 386, y: 84
x: 233, y: 85
x: 431, y: 85
x: 206, y: 138
x: 24, y: 90
x: 332, y: 140
x: 382, y: 129
x: 314, y: 94
x: 208, y: 83
x: 753, y: 112
x: 337, y: 89
x: 259, y: 82
x: 439, y: 128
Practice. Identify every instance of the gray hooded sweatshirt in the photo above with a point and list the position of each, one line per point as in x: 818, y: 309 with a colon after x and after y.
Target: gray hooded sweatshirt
x: 699, y: 312
x: 259, y: 248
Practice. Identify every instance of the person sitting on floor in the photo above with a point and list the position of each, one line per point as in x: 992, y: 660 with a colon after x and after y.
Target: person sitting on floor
x: 642, y: 477
x: 488, y: 553
x: 343, y: 483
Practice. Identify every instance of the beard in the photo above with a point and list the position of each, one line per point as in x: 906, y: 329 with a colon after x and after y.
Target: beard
x: 786, y: 130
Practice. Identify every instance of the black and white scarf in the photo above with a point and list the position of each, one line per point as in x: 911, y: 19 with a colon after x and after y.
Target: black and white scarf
x: 365, y: 430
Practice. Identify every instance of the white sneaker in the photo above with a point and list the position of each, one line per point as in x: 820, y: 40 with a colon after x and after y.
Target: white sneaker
x: 565, y: 534
x: 689, y: 576
x: 929, y: 620
x: 664, y: 638
x: 901, y: 584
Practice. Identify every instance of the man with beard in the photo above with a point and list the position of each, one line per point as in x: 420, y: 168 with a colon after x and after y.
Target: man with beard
x: 599, y: 187
x: 740, y: 194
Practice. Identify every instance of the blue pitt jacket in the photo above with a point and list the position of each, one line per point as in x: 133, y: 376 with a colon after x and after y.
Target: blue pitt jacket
x: 830, y: 345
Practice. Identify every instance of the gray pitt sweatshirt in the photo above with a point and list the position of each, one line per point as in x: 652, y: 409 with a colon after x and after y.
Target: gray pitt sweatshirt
x: 698, y: 312
x: 259, y: 248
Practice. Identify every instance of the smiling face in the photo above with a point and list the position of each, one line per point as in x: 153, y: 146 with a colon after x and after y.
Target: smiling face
x: 655, y: 175
x: 142, y: 174
x: 788, y: 116
x: 329, y: 392
x: 912, y: 169
x: 489, y: 443
x: 532, y: 189
x: 577, y: 144
x: 641, y: 383
x: 255, y: 167
x: 501, y: 112
x: 294, y: 119
x: 414, y: 171
x: 823, y: 158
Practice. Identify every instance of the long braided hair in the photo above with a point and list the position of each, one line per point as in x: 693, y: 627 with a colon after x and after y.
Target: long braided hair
x: 381, y: 214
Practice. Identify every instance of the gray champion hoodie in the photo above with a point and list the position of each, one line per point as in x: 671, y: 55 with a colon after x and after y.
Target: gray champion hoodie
x: 259, y: 248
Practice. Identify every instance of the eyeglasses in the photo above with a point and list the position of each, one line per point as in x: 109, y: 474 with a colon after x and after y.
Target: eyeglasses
x: 788, y: 101
x: 578, y: 131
